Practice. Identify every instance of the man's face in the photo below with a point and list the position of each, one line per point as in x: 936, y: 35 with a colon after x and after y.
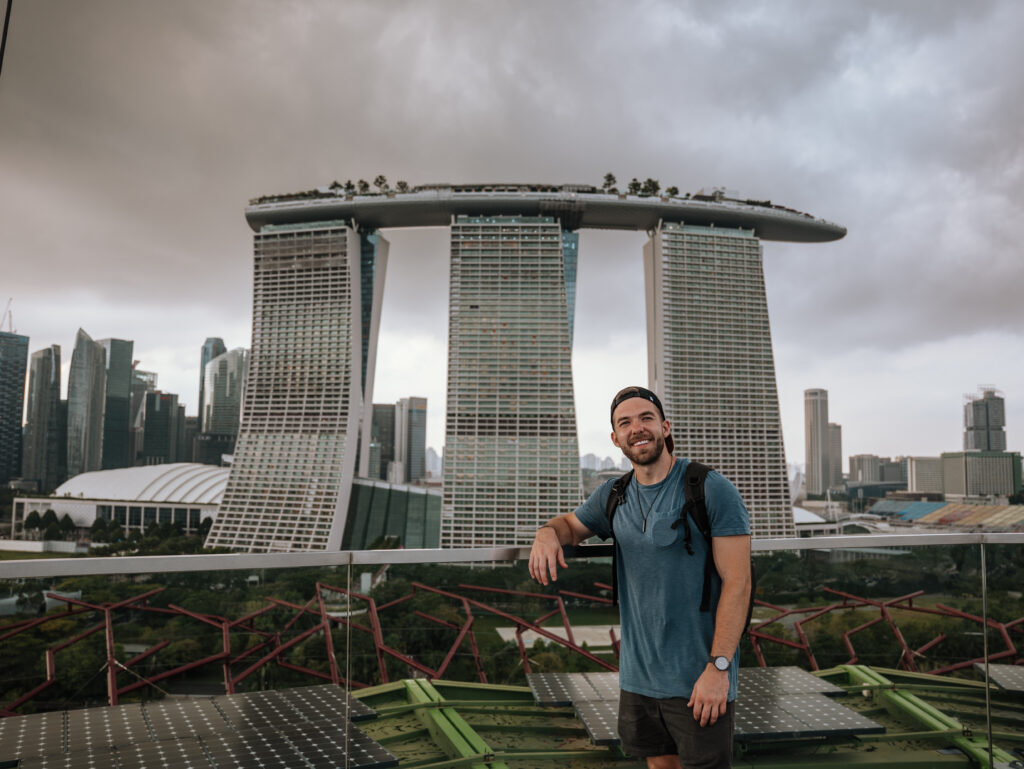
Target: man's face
x: 639, y: 430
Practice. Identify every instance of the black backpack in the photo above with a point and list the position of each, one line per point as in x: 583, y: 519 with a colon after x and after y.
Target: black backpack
x: 694, y: 507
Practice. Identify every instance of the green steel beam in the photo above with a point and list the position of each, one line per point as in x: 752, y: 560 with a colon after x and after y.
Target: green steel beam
x: 933, y: 719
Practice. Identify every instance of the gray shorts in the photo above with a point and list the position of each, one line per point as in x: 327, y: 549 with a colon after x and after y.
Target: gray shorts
x: 659, y: 727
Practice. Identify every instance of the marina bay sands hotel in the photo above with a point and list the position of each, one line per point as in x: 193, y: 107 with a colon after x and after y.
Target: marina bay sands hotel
x: 511, y: 457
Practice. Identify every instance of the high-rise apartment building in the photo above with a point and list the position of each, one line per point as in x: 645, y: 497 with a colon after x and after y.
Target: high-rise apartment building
x: 43, y: 455
x: 411, y: 438
x: 13, y: 366
x: 817, y: 447
x: 309, y: 388
x: 924, y: 474
x: 835, y: 455
x: 865, y: 468
x: 709, y: 355
x: 117, y: 438
x: 87, y: 387
x: 223, y: 386
x: 212, y: 348
x: 981, y: 473
x: 985, y: 421
x: 511, y: 448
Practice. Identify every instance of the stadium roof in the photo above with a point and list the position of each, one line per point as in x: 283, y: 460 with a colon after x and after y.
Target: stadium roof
x: 182, y: 482
x: 577, y: 206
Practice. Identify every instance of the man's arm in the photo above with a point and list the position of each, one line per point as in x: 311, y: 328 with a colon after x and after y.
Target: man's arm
x: 546, y: 553
x: 732, y: 561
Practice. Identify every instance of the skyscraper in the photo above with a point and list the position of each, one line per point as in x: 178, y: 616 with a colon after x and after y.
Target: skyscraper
x: 164, y: 423
x: 817, y: 446
x: 41, y: 459
x: 709, y: 354
x: 305, y: 399
x: 13, y: 365
x: 142, y: 382
x: 511, y: 447
x: 835, y: 454
x: 212, y: 347
x: 985, y: 421
x: 223, y: 387
x: 117, y: 443
x: 382, y: 440
x: 86, y: 399
x: 411, y: 437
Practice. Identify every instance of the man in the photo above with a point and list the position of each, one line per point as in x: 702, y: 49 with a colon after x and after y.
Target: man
x: 678, y: 665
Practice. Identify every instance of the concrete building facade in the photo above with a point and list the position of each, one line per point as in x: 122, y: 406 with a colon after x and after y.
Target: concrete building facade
x: 835, y: 455
x: 308, y: 390
x: 817, y: 448
x: 511, y: 446
x: 985, y: 422
x: 709, y: 355
x: 981, y: 473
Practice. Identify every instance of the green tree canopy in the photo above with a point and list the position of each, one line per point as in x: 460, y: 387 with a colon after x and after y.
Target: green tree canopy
x: 48, y: 517
x: 32, y: 521
x: 53, y: 532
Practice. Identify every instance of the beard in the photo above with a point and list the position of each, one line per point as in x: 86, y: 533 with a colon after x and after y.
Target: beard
x: 647, y: 454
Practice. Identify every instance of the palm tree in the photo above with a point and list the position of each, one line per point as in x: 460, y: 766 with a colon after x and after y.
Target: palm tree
x: 402, y: 186
x: 364, y: 186
x: 609, y: 182
x: 381, y: 183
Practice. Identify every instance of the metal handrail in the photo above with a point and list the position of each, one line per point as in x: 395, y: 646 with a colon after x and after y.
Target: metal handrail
x: 68, y: 567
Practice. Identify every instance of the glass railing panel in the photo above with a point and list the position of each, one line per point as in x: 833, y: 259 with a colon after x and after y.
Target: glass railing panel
x: 902, y: 631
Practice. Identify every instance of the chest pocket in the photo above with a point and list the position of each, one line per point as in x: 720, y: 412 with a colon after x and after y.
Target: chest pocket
x: 662, y: 533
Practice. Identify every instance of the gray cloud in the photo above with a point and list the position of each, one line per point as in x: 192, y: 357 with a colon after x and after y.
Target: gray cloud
x: 133, y: 134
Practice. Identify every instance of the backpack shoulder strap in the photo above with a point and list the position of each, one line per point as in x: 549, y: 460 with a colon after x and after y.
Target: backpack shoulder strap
x: 616, y: 498
x: 693, y: 488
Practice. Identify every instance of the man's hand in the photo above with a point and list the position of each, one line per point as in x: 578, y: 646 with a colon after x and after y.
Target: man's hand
x: 546, y: 555
x: 710, y: 695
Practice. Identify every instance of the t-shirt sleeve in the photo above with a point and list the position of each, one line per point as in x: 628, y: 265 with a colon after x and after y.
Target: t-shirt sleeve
x: 726, y: 511
x: 592, y: 513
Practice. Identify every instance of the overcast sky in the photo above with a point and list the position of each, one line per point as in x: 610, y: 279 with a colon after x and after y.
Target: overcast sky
x: 133, y: 133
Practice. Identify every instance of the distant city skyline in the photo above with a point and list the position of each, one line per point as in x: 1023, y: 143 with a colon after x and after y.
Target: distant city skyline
x: 122, y: 206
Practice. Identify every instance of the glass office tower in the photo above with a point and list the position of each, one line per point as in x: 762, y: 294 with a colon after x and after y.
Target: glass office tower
x: 41, y: 460
x: 87, y: 386
x: 710, y: 357
x: 511, y: 446
x: 304, y: 399
x: 13, y: 367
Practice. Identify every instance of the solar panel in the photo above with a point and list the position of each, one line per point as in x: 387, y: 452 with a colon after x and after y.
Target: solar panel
x: 606, y: 685
x: 600, y: 719
x: 292, y: 728
x: 798, y: 715
x: 1007, y: 677
x: 560, y: 688
x: 767, y: 682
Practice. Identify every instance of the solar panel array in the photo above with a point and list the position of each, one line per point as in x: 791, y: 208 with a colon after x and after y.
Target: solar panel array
x: 303, y: 727
x: 773, y: 703
x: 1007, y: 677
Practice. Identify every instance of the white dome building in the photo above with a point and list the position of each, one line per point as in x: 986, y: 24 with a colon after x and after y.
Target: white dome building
x: 135, y: 497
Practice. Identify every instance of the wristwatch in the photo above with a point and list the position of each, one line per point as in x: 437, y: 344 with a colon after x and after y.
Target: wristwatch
x: 720, y: 663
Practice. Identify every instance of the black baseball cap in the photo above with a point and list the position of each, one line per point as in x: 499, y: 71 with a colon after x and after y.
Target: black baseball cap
x: 640, y: 392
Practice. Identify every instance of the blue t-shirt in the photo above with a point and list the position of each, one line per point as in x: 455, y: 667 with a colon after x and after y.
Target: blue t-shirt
x: 666, y: 639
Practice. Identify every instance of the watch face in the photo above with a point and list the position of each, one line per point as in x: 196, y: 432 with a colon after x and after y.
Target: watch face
x: 721, y: 663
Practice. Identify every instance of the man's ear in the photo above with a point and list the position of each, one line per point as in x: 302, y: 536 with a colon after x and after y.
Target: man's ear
x: 666, y: 428
x: 615, y: 441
